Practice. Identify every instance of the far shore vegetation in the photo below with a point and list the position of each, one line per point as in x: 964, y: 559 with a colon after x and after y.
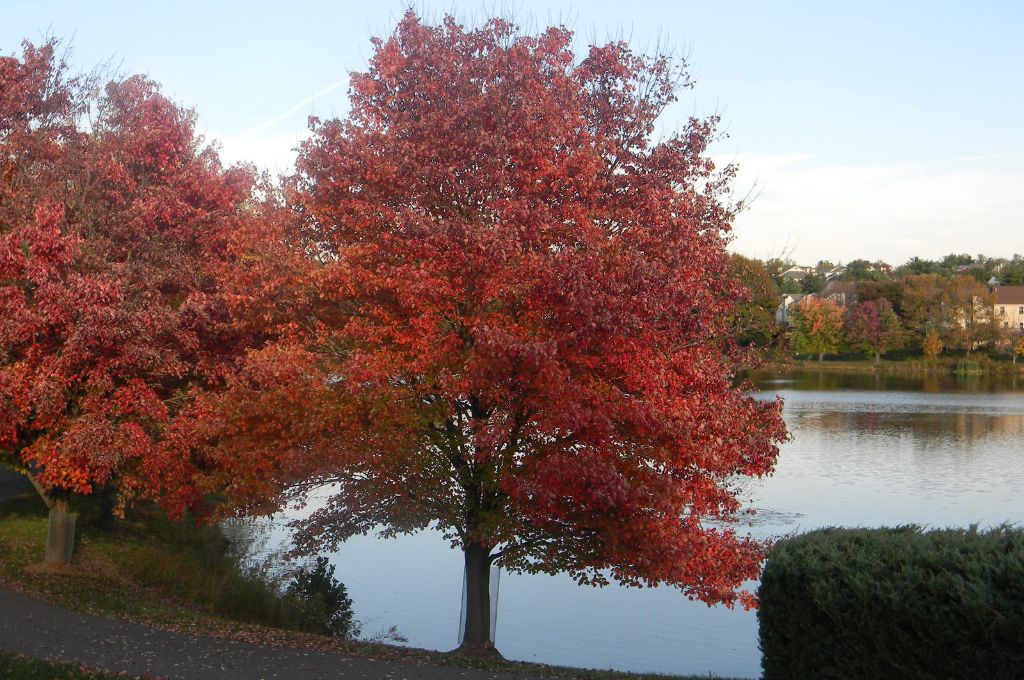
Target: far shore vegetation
x: 961, y: 314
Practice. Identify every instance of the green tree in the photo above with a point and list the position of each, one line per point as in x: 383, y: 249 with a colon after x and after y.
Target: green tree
x: 1012, y: 273
x: 754, y: 315
x: 816, y: 327
x: 812, y: 283
x: 863, y: 270
x: 916, y: 265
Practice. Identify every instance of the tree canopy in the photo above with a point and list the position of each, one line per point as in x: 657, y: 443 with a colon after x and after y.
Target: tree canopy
x: 111, y: 209
x: 873, y: 326
x: 816, y: 326
x: 509, y: 319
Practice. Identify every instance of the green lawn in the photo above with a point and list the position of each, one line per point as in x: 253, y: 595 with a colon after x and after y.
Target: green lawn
x: 17, y: 667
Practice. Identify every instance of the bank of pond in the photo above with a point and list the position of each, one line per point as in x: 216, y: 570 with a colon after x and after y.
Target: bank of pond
x: 961, y: 365
x: 894, y: 603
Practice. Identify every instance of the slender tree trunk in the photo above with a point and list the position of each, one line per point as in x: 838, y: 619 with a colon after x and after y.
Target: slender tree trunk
x: 108, y: 501
x: 821, y: 356
x: 878, y: 358
x: 60, y: 535
x: 477, y: 638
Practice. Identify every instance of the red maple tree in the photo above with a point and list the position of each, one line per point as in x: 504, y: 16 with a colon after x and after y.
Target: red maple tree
x: 873, y: 326
x: 108, y: 312
x: 509, y: 320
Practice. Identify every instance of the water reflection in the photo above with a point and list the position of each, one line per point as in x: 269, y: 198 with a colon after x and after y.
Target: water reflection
x: 867, y: 450
x: 926, y: 428
x: 890, y: 382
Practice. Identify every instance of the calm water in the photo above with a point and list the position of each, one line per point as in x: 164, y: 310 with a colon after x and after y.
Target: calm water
x: 866, y: 451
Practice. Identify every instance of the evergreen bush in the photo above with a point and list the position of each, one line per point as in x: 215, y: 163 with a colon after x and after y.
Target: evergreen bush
x: 894, y: 603
x: 326, y: 596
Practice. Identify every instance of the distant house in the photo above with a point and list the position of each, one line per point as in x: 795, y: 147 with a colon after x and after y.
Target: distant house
x: 966, y: 268
x: 834, y: 273
x: 782, y: 312
x: 797, y: 273
x: 1009, y: 307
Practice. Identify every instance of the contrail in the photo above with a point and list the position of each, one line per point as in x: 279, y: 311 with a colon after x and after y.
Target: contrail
x: 292, y: 110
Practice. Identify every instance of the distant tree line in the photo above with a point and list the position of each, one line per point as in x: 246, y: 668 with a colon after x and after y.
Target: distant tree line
x: 925, y: 306
x: 1008, y: 271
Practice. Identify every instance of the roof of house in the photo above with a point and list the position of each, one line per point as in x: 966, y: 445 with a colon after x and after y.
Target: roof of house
x: 1009, y: 295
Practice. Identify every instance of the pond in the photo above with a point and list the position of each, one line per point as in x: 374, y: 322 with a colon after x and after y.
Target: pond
x: 866, y: 451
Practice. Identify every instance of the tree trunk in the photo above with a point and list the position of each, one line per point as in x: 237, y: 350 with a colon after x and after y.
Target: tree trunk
x: 477, y: 638
x: 878, y: 358
x: 821, y: 356
x: 108, y: 501
x: 60, y: 535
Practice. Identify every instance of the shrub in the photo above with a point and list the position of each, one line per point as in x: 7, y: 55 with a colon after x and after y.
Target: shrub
x: 229, y: 572
x: 326, y: 596
x: 894, y: 603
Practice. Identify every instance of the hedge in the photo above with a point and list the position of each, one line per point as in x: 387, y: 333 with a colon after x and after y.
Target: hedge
x: 894, y: 603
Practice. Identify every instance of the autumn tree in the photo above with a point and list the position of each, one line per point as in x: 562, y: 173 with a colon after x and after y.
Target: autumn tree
x: 960, y: 309
x: 110, y: 209
x: 873, y: 326
x: 931, y: 345
x: 1016, y: 347
x: 890, y: 291
x: 510, y: 322
x: 970, y: 310
x: 816, y: 327
x: 925, y: 304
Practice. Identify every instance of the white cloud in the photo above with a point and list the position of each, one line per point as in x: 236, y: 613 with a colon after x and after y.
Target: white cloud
x: 274, y: 153
x: 892, y: 212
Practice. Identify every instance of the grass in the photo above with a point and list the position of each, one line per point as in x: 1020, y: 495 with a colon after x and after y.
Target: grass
x: 17, y: 667
x: 147, y: 569
x: 180, y: 577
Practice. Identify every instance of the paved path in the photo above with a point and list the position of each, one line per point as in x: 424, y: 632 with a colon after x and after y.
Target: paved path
x: 29, y: 626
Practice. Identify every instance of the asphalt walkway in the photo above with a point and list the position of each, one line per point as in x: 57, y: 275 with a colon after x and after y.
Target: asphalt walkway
x: 29, y: 626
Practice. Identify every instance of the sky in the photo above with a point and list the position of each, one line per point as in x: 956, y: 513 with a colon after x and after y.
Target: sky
x: 875, y: 130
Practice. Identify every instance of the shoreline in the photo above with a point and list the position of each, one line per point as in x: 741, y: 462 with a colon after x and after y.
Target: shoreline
x: 947, y: 366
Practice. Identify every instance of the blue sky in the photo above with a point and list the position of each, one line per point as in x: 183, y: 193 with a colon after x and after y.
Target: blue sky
x: 876, y: 130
